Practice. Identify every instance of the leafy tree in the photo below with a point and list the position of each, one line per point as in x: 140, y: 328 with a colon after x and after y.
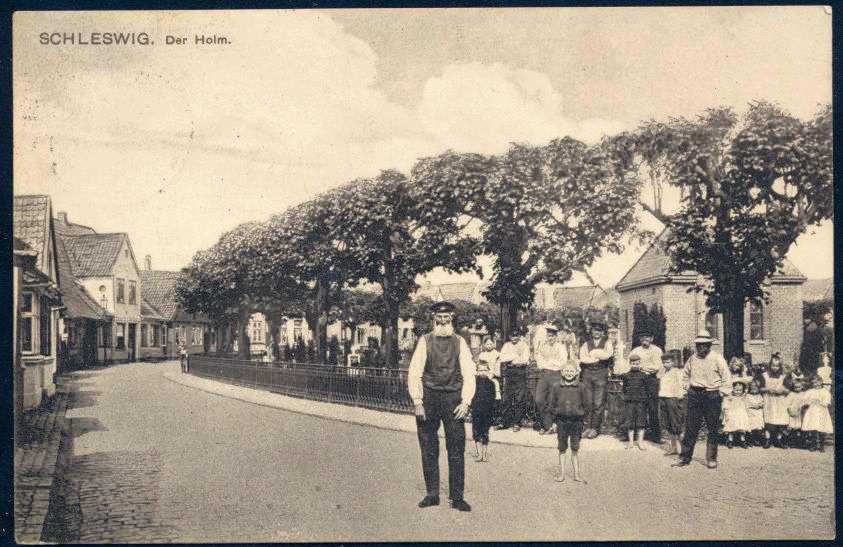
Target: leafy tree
x: 390, y: 240
x: 752, y: 185
x: 540, y: 211
x: 814, y: 311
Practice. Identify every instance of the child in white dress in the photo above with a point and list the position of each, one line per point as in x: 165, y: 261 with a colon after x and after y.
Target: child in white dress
x: 776, y: 417
x: 755, y: 411
x: 816, y: 422
x: 735, y: 417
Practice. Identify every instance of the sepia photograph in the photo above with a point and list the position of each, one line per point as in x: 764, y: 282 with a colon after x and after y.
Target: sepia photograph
x: 411, y: 275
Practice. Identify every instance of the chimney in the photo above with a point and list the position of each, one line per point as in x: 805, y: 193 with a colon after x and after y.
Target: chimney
x: 63, y: 218
x: 147, y: 262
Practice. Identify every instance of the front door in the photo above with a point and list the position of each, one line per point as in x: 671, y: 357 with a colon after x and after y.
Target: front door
x: 89, y: 344
x: 131, y: 341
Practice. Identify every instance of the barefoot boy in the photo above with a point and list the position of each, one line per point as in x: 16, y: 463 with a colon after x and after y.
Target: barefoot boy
x: 567, y: 404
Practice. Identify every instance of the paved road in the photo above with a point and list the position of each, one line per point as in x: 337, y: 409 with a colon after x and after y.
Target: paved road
x: 158, y: 461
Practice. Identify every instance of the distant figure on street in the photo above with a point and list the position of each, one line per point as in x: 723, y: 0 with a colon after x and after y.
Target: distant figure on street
x: 514, y: 358
x: 651, y: 365
x: 182, y: 350
x: 441, y: 383
x: 550, y: 357
x: 708, y: 379
x: 596, y: 360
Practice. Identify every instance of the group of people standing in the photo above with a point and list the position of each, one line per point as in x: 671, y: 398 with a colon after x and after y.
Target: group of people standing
x: 447, y: 386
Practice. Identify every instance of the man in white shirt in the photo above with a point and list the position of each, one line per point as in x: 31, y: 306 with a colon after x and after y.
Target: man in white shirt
x: 441, y: 383
x: 596, y: 359
x: 514, y: 358
x: 551, y: 355
x: 651, y: 365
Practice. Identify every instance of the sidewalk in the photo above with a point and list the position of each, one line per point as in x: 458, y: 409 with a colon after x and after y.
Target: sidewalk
x: 375, y: 418
x: 36, y: 457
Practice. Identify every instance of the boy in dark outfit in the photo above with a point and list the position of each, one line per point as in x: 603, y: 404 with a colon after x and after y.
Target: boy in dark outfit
x: 567, y: 401
x: 635, y: 399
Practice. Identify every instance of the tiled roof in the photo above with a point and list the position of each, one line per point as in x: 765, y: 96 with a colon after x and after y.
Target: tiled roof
x: 654, y: 266
x: 78, y: 303
x: 158, y: 288
x: 70, y: 229
x: 148, y: 311
x: 93, y: 255
x: 30, y: 223
x: 579, y: 297
x: 818, y: 289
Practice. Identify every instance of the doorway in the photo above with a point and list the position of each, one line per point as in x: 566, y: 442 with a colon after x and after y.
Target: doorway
x: 131, y: 341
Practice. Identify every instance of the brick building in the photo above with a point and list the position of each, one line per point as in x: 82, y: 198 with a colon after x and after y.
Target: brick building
x: 771, y: 327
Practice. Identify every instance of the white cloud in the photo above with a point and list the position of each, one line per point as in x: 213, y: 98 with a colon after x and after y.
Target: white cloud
x: 483, y: 107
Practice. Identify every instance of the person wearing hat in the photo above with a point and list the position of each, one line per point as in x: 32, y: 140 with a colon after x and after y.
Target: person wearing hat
x: 441, y: 383
x: 596, y: 359
x: 514, y: 358
x: 551, y: 355
x: 650, y: 356
x: 708, y: 380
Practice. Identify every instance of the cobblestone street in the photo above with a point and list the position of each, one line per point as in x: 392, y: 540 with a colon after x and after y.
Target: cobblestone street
x: 155, y: 461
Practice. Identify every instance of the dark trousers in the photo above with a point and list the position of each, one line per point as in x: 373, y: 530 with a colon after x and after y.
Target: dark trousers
x: 651, y: 387
x: 439, y: 408
x: 546, y: 379
x: 514, y: 395
x: 595, y: 381
x: 703, y: 406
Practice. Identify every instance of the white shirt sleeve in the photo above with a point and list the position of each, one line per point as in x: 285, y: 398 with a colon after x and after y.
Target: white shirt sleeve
x: 416, y: 369
x: 585, y: 355
x: 467, y: 369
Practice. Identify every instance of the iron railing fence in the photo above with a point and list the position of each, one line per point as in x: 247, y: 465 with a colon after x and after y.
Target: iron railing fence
x: 375, y: 388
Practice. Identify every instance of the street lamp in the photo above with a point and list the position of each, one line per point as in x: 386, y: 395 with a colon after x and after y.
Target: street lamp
x: 104, y: 304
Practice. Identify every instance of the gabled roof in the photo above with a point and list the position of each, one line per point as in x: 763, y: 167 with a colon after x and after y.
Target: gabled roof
x: 31, y: 224
x: 653, y: 267
x: 93, y: 255
x: 158, y: 288
x: 63, y: 227
x: 78, y: 303
x: 148, y: 311
x: 579, y: 297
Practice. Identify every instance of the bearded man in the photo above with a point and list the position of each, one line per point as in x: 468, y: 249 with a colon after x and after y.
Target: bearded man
x: 441, y: 383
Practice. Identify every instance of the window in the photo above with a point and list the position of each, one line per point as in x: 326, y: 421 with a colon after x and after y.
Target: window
x: 144, y: 336
x: 297, y: 330
x: 71, y: 336
x: 45, y: 329
x: 197, y: 336
x: 153, y: 336
x: 712, y: 323
x: 120, y: 335
x: 121, y: 289
x: 756, y: 320
x: 163, y: 339
x: 26, y: 326
x: 182, y: 335
x: 133, y: 292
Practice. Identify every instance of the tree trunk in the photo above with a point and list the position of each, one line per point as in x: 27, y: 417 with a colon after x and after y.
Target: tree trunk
x: 733, y: 324
x: 320, y: 336
x: 243, y: 350
x: 509, y: 318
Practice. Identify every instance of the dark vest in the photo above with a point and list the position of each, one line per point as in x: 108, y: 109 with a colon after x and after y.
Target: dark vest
x: 442, y: 367
x: 603, y: 362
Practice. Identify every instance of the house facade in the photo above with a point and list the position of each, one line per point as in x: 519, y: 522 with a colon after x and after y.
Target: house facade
x: 774, y: 326
x: 104, y: 265
x: 36, y: 292
x: 167, y: 325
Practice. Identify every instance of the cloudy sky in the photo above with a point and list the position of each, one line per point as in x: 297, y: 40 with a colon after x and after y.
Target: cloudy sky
x: 176, y: 144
